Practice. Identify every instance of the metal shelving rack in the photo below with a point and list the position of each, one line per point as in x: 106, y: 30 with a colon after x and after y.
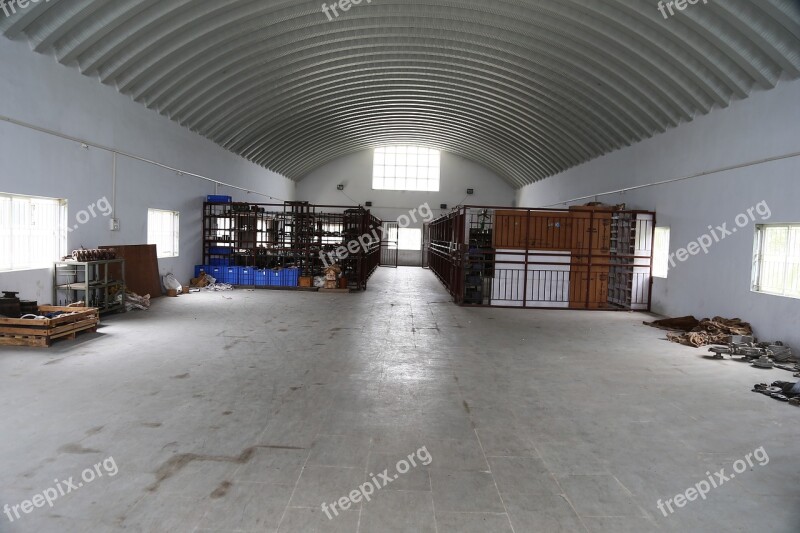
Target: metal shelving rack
x: 90, y: 282
x: 292, y: 234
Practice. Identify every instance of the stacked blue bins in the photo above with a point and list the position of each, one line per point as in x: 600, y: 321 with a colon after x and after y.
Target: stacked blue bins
x: 247, y: 276
x: 262, y: 277
x: 220, y: 250
x: 231, y: 275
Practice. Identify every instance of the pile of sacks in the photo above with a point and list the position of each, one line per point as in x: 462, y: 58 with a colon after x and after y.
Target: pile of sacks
x: 702, y: 332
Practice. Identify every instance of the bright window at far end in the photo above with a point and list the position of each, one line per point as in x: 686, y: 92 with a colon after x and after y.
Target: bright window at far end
x: 406, y: 168
x: 776, y: 260
x: 661, y: 253
x: 162, y: 230
x: 409, y: 239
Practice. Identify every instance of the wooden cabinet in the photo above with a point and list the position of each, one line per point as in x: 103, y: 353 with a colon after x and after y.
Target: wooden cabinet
x: 584, y: 232
x: 591, y: 253
x: 537, y: 230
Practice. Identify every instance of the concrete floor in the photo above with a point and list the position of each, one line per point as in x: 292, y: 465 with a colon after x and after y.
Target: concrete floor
x: 245, y: 411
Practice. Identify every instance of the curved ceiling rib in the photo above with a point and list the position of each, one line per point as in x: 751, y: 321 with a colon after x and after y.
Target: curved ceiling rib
x: 527, y: 88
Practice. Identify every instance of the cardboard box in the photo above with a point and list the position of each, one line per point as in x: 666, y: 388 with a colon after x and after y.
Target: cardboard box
x: 306, y: 281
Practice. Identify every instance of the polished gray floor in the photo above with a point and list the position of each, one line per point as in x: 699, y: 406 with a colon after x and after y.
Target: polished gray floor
x: 245, y: 411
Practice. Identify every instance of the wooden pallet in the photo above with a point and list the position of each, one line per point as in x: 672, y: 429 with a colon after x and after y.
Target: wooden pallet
x: 43, y: 331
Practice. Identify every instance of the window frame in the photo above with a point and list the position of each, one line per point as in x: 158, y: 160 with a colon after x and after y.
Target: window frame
x: 400, y: 240
x: 661, y: 264
x: 176, y: 225
x: 390, y: 156
x: 758, y: 269
x: 59, y: 232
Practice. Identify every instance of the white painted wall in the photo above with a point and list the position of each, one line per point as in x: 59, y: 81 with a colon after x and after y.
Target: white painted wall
x: 718, y: 283
x: 37, y: 90
x: 355, y: 172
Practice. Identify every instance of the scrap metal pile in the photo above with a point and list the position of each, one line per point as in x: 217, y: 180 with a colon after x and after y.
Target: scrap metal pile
x: 733, y: 337
x: 781, y: 390
x: 759, y: 354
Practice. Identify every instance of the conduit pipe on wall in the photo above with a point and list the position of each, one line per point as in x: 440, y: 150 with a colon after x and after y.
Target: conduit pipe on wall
x: 682, y: 178
x: 116, y: 152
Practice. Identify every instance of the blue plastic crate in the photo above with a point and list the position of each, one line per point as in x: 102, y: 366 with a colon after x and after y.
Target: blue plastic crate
x: 220, y: 250
x: 218, y: 262
x: 290, y: 277
x: 217, y: 272
x: 274, y: 277
x: 247, y: 276
x: 231, y: 275
x: 204, y: 268
x: 262, y: 277
x: 219, y: 199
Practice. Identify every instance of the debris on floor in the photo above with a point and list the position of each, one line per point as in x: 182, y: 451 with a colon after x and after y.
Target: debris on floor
x: 759, y: 354
x: 218, y: 287
x: 135, y: 302
x: 683, y: 323
x: 703, y: 332
x: 784, y: 391
x: 203, y: 280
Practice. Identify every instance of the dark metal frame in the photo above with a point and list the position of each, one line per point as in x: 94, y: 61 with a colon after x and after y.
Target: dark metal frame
x: 584, y: 258
x: 292, y: 234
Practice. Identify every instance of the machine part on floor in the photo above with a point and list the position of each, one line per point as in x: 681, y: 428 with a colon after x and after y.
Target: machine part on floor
x: 773, y: 390
x: 763, y: 362
x: 749, y: 353
x: 795, y: 401
x: 779, y: 352
x: 28, y: 307
x: 10, y: 305
x: 719, y: 351
x: 780, y: 397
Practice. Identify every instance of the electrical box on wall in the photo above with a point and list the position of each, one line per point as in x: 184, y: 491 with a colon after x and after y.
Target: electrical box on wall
x: 113, y: 224
x: 470, y: 191
x: 340, y: 187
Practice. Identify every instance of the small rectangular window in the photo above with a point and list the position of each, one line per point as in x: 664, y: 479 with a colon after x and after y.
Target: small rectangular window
x: 776, y: 260
x: 661, y: 253
x: 33, y: 231
x: 163, y: 231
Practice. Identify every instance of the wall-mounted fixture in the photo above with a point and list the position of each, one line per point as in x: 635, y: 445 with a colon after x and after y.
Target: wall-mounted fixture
x: 113, y: 224
x: 340, y: 187
x: 470, y: 191
x: 368, y: 204
x: 443, y: 206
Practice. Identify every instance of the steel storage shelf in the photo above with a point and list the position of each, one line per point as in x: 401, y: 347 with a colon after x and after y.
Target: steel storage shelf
x: 89, y: 282
x: 293, y: 235
x: 583, y: 257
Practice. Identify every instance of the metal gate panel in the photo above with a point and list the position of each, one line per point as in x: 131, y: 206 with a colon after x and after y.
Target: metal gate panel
x: 389, y: 244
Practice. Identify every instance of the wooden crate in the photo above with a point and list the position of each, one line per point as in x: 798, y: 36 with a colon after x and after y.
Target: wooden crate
x: 43, y: 331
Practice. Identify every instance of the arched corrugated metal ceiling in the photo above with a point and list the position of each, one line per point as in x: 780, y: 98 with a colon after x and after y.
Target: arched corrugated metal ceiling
x: 527, y: 88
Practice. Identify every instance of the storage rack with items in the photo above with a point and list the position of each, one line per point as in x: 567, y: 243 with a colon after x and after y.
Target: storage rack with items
x: 584, y: 257
x: 630, y: 271
x: 480, y: 259
x: 92, y: 282
x: 284, y: 245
